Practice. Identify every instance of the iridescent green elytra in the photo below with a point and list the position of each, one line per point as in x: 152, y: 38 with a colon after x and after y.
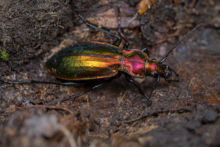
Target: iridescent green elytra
x: 85, y: 61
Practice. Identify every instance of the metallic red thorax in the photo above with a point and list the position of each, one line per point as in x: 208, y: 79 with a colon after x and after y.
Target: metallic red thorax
x: 133, y: 62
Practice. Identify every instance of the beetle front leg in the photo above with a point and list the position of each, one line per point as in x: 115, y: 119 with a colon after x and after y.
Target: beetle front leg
x: 155, y: 85
x: 131, y: 80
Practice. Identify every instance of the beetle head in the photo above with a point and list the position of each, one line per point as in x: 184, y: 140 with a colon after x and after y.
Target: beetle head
x: 168, y: 73
x: 157, y: 69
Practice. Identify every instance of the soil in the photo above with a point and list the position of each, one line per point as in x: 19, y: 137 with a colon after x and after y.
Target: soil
x: 184, y: 113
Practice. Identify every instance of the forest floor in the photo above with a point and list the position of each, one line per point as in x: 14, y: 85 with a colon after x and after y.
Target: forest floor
x: 184, y: 113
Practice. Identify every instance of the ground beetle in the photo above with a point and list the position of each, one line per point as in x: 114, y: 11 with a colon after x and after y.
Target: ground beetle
x: 103, y: 62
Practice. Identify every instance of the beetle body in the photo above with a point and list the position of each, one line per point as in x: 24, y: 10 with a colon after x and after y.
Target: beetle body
x: 96, y: 60
x: 104, y: 62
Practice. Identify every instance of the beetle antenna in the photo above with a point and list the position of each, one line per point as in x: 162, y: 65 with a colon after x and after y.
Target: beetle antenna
x: 179, y: 42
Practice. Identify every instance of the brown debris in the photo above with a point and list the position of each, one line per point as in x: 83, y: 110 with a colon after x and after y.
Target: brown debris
x: 182, y: 114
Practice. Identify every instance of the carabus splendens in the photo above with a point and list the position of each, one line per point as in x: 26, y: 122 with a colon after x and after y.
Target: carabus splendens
x: 103, y: 62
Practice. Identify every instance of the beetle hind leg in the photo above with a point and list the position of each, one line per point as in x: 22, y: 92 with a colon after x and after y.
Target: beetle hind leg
x: 39, y: 82
x: 82, y: 93
x: 100, y: 84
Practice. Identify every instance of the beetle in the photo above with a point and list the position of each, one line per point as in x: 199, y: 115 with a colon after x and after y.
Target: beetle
x: 103, y: 62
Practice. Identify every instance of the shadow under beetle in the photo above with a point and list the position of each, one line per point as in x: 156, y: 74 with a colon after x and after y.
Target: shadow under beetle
x: 103, y: 62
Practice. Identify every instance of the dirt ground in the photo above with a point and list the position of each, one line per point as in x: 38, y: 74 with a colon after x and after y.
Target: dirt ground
x: 185, y: 113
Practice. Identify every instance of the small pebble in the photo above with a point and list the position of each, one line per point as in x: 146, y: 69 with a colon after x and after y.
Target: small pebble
x: 193, y: 124
x: 209, y: 116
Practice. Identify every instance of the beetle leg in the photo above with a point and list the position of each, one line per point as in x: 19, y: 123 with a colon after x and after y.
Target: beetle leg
x: 41, y: 82
x: 82, y: 93
x: 120, y: 31
x: 119, y: 37
x: 117, y: 42
x: 176, y: 74
x: 146, y: 50
x: 88, y: 90
x: 131, y: 80
x: 155, y: 85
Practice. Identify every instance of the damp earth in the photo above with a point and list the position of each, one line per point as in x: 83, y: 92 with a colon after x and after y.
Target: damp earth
x: 184, y: 113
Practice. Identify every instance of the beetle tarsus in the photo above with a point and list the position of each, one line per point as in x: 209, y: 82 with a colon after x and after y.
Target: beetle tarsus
x: 169, y: 81
x: 154, y: 85
x: 120, y: 30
